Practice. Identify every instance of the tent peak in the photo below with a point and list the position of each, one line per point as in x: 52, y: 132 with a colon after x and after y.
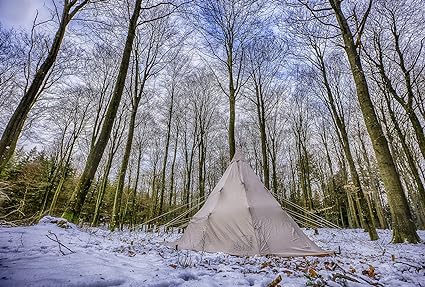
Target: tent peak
x: 238, y: 156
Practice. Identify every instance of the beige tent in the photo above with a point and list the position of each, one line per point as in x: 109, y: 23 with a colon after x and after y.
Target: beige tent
x: 241, y: 217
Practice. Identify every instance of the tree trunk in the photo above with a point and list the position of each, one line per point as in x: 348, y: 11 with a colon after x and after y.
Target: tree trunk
x: 201, y: 168
x: 116, y: 211
x: 64, y: 172
x: 232, y: 103
x: 410, y: 160
x: 165, y: 159
x: 366, y: 217
x: 261, y: 115
x: 134, y: 195
x: 102, y: 189
x: 273, y: 159
x: 173, y: 164
x: 373, y: 183
x: 76, y: 202
x: 403, y: 226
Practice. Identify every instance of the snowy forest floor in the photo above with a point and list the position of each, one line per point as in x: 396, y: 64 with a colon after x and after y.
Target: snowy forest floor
x: 49, y: 255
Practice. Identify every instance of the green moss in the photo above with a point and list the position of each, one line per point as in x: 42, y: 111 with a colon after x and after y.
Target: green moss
x: 69, y: 215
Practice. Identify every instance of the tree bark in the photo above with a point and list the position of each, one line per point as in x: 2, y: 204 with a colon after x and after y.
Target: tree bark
x: 232, y: 102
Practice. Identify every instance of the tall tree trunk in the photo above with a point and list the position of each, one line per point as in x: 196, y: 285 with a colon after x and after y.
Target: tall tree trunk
x: 410, y: 160
x: 116, y: 211
x: 76, y: 202
x: 331, y: 191
x: 14, y: 126
x: 232, y: 103
x: 365, y: 215
x: 373, y: 182
x: 173, y: 165
x: 261, y: 115
x: 404, y: 228
x: 123, y: 216
x: 115, y: 140
x: 64, y: 168
x: 273, y: 159
x: 165, y: 159
x: 102, y: 189
x: 135, y: 101
x: 201, y: 169
x: 134, y: 195
x: 154, y: 196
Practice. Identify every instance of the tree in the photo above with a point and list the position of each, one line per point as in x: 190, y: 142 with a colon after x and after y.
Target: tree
x: 396, y: 48
x: 71, y: 131
x: 402, y: 222
x: 115, y: 141
x: 78, y: 197
x: 264, y: 56
x: 334, y: 105
x: 148, y: 61
x: 14, y: 127
x: 226, y: 26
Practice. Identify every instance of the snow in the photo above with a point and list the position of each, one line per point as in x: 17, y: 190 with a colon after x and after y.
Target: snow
x: 30, y: 256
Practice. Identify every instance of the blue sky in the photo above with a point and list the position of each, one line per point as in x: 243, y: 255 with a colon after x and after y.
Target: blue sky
x: 21, y: 13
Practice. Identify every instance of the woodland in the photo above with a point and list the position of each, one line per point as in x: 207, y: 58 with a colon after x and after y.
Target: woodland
x: 115, y: 112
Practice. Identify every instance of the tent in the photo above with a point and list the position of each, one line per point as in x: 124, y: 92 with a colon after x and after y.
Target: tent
x: 241, y: 217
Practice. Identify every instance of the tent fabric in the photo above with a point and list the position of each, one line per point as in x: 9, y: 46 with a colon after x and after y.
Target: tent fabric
x: 241, y: 217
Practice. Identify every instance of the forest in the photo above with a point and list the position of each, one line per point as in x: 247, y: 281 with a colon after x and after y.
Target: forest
x: 125, y: 112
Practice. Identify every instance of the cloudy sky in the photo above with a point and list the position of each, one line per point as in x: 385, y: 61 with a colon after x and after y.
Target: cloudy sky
x: 21, y: 13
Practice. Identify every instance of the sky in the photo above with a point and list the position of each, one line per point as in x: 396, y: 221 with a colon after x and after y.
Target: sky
x: 21, y: 13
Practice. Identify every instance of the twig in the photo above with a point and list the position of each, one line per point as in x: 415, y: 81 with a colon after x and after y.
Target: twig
x: 275, y: 282
x: 343, y: 276
x: 354, y: 277
x: 59, y: 243
x: 7, y: 223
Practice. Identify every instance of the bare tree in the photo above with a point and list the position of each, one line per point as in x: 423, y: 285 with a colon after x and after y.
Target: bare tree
x: 14, y: 126
x: 265, y: 55
x: 226, y: 26
x: 149, y: 56
x: 403, y: 225
x: 78, y: 197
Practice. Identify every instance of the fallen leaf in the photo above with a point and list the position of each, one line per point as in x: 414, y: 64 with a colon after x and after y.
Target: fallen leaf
x: 312, y: 273
x: 370, y: 272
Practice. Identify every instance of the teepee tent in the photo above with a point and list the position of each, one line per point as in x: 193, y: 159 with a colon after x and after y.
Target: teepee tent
x: 241, y: 217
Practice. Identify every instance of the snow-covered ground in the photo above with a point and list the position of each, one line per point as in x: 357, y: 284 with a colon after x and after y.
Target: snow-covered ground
x: 30, y: 256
